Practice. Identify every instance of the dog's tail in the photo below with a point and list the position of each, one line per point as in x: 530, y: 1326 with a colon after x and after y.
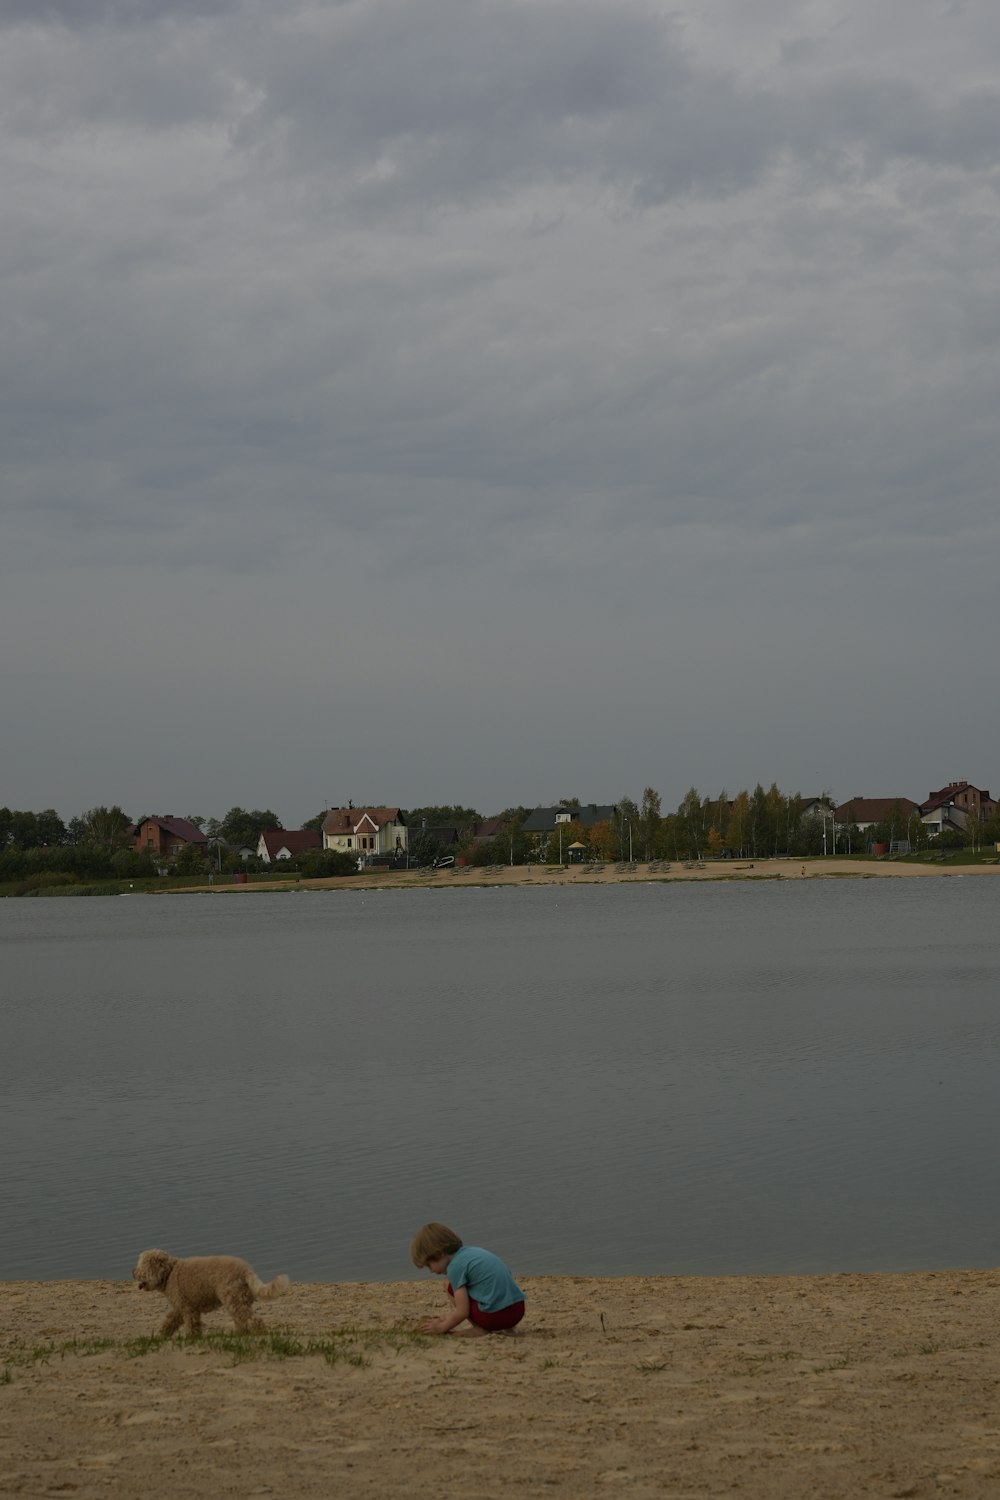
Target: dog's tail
x: 276, y: 1288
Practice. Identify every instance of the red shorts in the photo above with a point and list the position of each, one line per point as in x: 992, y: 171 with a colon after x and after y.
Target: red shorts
x: 504, y: 1317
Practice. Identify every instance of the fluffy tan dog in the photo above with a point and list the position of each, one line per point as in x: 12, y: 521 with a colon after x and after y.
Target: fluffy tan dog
x: 202, y: 1283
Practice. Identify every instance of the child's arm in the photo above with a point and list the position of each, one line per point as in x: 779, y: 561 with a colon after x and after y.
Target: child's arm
x: 445, y: 1325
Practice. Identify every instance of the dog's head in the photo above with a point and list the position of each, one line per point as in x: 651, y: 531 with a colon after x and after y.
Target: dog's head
x: 152, y: 1269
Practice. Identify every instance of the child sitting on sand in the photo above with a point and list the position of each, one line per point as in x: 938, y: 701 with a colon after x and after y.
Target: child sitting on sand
x: 480, y: 1287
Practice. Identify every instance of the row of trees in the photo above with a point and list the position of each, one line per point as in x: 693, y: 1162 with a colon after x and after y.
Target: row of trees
x: 98, y: 844
x: 751, y: 825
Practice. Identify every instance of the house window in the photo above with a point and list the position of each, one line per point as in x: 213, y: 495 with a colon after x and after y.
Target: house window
x: 348, y: 843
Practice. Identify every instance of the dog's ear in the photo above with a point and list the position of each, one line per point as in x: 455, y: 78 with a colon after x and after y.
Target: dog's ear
x: 155, y: 1266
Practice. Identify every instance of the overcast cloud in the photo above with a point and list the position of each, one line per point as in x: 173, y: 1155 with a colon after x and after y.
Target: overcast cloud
x: 496, y: 400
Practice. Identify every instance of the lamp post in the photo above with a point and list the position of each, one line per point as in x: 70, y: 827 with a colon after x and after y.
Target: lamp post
x: 828, y: 812
x: 629, y: 822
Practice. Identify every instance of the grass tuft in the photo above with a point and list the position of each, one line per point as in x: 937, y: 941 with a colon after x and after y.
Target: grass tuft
x: 352, y: 1346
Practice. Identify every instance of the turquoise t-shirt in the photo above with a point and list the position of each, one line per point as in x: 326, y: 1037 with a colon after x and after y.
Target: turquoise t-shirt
x: 485, y: 1278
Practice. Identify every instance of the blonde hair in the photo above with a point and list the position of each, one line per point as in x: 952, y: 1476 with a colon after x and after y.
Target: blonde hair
x: 431, y: 1241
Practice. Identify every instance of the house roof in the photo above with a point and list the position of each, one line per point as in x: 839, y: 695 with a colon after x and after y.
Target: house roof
x: 295, y: 840
x: 178, y: 827
x: 872, y: 809
x: 349, y: 819
x: 543, y: 819
x: 488, y: 828
x: 948, y: 793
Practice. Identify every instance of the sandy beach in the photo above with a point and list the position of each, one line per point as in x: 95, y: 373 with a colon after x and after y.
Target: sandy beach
x: 710, y: 870
x: 881, y: 1385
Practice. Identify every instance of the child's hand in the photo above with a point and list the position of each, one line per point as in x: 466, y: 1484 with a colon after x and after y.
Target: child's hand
x: 435, y: 1325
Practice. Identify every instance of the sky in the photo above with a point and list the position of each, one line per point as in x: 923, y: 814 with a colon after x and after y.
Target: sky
x: 496, y: 401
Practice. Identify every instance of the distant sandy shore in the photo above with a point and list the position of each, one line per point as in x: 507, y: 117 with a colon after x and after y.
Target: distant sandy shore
x: 768, y: 1388
x: 712, y: 870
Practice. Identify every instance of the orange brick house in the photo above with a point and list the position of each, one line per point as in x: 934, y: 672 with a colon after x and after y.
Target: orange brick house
x: 164, y: 838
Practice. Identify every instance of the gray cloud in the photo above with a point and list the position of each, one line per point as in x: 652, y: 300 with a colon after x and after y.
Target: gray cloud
x: 582, y: 380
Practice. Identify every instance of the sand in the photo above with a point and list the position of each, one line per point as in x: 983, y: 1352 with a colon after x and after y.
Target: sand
x: 852, y: 1385
x: 711, y: 870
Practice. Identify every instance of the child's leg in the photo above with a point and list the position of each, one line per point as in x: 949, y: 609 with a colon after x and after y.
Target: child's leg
x: 481, y: 1322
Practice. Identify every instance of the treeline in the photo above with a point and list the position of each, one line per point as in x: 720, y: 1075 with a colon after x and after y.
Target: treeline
x: 754, y: 824
x: 97, y: 845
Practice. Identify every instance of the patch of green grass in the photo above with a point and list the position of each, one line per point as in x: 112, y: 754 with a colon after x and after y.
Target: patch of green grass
x: 652, y: 1366
x: 351, y: 1346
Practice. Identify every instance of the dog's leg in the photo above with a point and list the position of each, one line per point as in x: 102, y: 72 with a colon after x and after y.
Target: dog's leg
x: 192, y: 1323
x: 239, y: 1305
x: 171, y: 1324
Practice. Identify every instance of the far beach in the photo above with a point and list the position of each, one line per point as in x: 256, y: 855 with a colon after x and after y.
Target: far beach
x: 611, y: 873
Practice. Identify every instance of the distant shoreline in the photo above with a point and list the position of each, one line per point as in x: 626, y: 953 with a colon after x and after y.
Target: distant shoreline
x: 478, y: 877
x: 726, y: 871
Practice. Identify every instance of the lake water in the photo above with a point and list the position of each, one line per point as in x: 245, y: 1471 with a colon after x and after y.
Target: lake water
x: 657, y: 1079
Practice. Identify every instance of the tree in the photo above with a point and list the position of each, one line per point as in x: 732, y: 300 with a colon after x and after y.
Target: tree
x: 603, y: 840
x: 51, y: 828
x: 240, y: 828
x: 778, y: 811
x: 916, y: 831
x: 720, y: 816
x: 991, y: 829
x: 649, y: 821
x: 460, y: 818
x: 424, y: 848
x: 626, y: 823
x: 973, y: 830
x: 510, y: 845
x: 559, y: 840
x: 739, y: 824
x: 689, y: 833
x: 190, y: 860
x: 107, y: 827
x: 24, y: 830
x: 132, y: 864
x: 317, y: 822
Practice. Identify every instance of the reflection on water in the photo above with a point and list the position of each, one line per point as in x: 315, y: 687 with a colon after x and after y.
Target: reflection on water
x: 648, y: 1079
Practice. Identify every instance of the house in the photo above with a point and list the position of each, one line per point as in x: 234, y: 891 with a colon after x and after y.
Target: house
x: 286, y: 843
x: 438, y: 832
x: 543, y: 820
x: 863, y: 812
x: 164, y: 838
x: 365, y: 830
x: 954, y: 805
x: 488, y: 828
